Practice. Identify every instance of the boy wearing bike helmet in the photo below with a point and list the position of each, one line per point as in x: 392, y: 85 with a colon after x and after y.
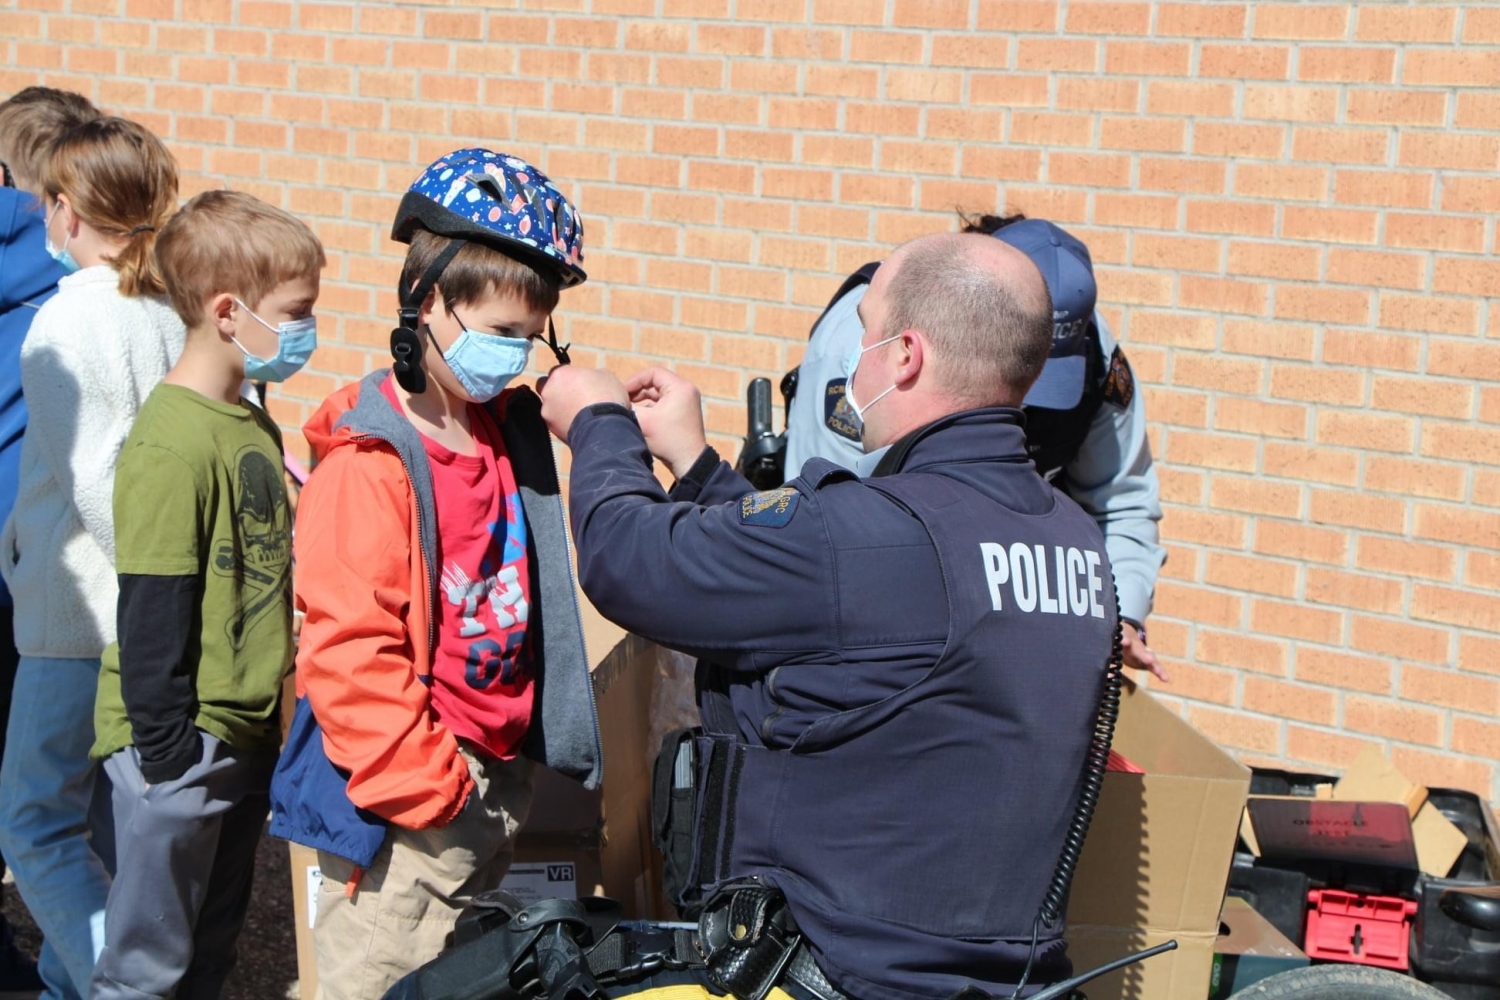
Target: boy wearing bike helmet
x: 442, y: 652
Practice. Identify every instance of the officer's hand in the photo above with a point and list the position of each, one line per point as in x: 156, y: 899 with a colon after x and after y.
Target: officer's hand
x: 670, y: 411
x: 568, y: 389
x: 1138, y: 655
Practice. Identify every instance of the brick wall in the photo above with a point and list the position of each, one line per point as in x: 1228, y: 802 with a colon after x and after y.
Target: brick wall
x: 1291, y: 206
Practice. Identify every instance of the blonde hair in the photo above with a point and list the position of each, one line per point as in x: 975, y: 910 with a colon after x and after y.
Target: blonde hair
x: 229, y: 241
x: 31, y: 120
x: 121, y: 180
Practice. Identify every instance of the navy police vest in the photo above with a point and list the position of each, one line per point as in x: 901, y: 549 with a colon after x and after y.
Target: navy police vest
x: 915, y: 837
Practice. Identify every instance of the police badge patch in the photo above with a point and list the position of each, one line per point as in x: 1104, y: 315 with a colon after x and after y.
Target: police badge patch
x: 1119, y: 384
x: 769, y: 509
x: 838, y: 415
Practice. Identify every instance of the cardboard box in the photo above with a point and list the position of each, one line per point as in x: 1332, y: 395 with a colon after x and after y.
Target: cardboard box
x: 1157, y: 857
x: 1249, y: 949
x: 575, y: 842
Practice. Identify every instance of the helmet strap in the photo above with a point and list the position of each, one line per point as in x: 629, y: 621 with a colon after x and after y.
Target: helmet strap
x: 406, y: 345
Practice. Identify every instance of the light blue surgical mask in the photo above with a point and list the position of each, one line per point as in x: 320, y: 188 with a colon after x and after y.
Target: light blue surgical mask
x: 485, y: 363
x: 851, y: 365
x: 60, y: 254
x: 296, y: 339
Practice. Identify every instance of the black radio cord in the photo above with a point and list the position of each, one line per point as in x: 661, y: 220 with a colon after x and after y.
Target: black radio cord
x: 1094, y: 767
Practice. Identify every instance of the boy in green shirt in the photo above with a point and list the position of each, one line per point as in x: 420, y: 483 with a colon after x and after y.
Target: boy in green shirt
x: 186, y: 717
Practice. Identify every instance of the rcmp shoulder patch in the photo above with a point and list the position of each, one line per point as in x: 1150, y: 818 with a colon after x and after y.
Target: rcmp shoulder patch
x: 1119, y: 384
x: 769, y: 508
x: 838, y: 415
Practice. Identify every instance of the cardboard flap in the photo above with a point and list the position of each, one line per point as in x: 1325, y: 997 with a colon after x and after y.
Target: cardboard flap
x: 1160, y: 742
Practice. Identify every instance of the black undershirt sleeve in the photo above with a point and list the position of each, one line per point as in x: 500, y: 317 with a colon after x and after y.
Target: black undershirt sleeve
x: 156, y: 616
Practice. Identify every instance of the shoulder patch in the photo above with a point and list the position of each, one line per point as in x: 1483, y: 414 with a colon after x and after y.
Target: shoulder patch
x: 769, y: 508
x: 838, y: 415
x: 1119, y: 384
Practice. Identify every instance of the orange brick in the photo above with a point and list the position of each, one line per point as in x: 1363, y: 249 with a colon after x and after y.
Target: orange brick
x: 1343, y: 670
x: 1328, y: 305
x: 1458, y: 274
x: 1273, y: 340
x: 1222, y: 295
x: 1147, y: 59
x: 1347, y: 65
x: 635, y: 102
x: 1247, y: 62
x: 1413, y: 477
x: 1486, y: 488
x: 1186, y: 253
x: 881, y: 46
x: 1130, y: 285
x: 1424, y: 395
x: 1089, y: 169
x: 1234, y: 649
x: 1376, y: 431
x: 1429, y: 313
x: 1191, y: 99
x: 1357, y: 510
x: 1340, y: 145
x: 1009, y: 90
x: 1135, y: 210
x: 1273, y: 260
x: 1465, y: 608
x: 1300, y: 541
x: 1200, y: 605
x: 1033, y: 128
x: 843, y: 81
x: 595, y: 33
x: 1181, y: 486
x: 1457, y: 524
x: 1392, y: 637
x: 1461, y: 442
x: 1397, y: 107
x: 1296, y: 621
x: 1058, y: 55
x: 1232, y: 217
x: 1252, y: 416
x: 814, y: 185
x: 918, y: 157
x: 1002, y: 164
x: 1235, y: 729
x: 1477, y: 110
x: 1353, y: 590
x: 1319, y: 465
x: 1205, y: 528
x: 931, y: 14
x: 1238, y: 140
x: 838, y: 151
x: 946, y: 196
x: 759, y: 76
x: 1393, y: 720
x: 1450, y: 152
x: 865, y: 189
x: 1376, y: 268
x: 1448, y: 67
x: 1342, y: 387
x: 1281, y: 182
x: 1405, y: 24
x: 730, y: 40
x: 974, y: 51
x: 1097, y: 94
x: 1480, y: 654
x: 1018, y: 15
x: 1255, y: 496
x: 1197, y: 20
x: 965, y: 123
x: 1301, y: 22
x: 1482, y: 26
x: 1477, y: 737
x: 1373, y: 350
x: 799, y: 43
x: 1464, y: 360
x: 1324, y: 748
x: 1143, y: 134
x: 1450, y: 688
x: 1200, y: 177
x: 1291, y: 102
x: 1291, y: 701
x: 1254, y: 574
x: 804, y: 113
x: 1211, y: 451
x: 928, y: 86
x: 1482, y: 570
x: 1185, y: 409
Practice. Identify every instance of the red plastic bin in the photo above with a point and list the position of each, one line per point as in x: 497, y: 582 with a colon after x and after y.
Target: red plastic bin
x: 1363, y: 930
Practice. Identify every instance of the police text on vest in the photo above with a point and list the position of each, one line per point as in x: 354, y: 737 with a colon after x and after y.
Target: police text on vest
x: 1055, y: 580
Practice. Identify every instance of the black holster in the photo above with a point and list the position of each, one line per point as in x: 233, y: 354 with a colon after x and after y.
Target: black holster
x: 674, y: 793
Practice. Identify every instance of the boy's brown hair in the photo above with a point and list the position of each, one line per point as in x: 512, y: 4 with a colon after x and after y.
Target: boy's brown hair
x: 121, y: 180
x: 229, y: 241
x: 476, y: 271
x: 31, y: 120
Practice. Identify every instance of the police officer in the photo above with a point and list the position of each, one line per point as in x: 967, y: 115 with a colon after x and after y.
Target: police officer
x: 900, y: 672
x: 1085, y: 421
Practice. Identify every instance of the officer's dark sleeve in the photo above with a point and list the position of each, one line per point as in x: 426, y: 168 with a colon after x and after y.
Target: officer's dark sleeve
x: 155, y: 625
x: 710, y: 481
x: 692, y: 577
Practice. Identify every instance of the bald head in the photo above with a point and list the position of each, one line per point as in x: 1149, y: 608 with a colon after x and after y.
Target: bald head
x: 983, y: 306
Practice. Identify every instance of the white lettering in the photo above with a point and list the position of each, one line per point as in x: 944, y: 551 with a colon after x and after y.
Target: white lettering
x: 1048, y: 602
x: 996, y: 570
x: 1023, y: 576
x: 1078, y: 597
x: 1096, y: 586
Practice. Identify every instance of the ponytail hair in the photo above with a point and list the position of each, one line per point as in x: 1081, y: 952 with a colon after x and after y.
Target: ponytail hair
x: 121, y: 180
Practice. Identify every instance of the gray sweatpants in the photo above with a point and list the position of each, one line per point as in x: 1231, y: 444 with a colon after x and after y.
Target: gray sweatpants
x: 185, y: 857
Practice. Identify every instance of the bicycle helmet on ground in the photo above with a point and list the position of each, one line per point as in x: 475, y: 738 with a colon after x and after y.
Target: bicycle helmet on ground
x: 494, y: 199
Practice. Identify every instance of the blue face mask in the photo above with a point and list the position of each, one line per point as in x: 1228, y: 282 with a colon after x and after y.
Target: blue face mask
x: 60, y: 254
x: 485, y: 363
x: 295, y: 341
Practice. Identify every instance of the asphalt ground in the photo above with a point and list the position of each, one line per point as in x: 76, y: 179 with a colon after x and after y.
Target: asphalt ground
x: 267, y: 968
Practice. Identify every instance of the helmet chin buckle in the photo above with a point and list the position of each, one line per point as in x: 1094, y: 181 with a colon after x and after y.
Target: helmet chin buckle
x: 560, y: 351
x: 406, y: 355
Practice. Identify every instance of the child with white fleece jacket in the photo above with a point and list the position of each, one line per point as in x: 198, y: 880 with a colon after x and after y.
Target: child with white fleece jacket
x: 94, y: 352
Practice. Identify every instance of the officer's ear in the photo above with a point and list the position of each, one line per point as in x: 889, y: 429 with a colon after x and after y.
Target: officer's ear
x: 908, y: 356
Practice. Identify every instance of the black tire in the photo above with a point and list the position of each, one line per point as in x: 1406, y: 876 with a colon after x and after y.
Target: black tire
x: 1339, y: 982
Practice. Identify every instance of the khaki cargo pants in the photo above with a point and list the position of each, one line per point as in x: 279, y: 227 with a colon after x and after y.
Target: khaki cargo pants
x: 408, y: 901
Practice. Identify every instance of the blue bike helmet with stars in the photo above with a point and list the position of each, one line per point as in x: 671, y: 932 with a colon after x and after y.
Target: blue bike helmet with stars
x: 494, y: 199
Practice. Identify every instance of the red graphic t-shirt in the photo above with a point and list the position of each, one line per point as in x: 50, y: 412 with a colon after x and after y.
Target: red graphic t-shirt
x: 481, y: 670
